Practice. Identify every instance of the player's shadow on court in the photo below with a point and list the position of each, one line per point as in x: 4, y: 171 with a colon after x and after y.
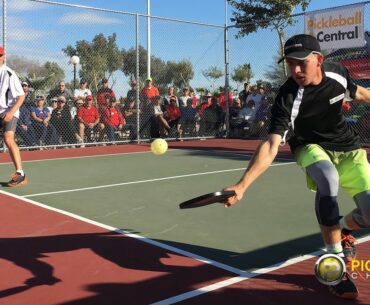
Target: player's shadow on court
x: 31, y: 254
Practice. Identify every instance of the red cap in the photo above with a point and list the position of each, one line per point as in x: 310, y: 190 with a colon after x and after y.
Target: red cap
x: 89, y: 98
x: 2, y: 51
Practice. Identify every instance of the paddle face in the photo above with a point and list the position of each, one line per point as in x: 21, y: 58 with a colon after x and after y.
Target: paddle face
x: 206, y: 199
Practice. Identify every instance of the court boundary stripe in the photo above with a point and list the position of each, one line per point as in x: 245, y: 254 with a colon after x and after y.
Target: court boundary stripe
x: 144, y: 181
x: 244, y: 277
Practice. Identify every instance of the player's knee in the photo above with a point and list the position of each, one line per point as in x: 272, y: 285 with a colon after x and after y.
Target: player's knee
x: 327, y: 211
x: 325, y: 176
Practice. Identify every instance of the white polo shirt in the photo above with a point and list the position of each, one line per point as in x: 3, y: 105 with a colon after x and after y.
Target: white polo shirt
x: 10, y: 89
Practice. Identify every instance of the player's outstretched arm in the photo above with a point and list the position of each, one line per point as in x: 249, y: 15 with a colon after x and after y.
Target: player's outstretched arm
x: 261, y: 160
x: 362, y: 95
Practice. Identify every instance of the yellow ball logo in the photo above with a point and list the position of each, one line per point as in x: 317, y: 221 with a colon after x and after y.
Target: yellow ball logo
x: 330, y: 269
x: 159, y: 146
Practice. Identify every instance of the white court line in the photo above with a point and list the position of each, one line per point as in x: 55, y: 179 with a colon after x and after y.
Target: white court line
x: 244, y: 277
x: 144, y: 181
x: 83, y: 157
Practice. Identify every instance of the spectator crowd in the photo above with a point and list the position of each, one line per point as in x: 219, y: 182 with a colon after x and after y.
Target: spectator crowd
x: 63, y: 117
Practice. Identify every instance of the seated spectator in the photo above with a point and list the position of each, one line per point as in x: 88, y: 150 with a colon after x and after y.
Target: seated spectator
x: 184, y: 97
x: 188, y: 119
x: 261, y: 119
x: 102, y: 92
x: 89, y: 118
x: 130, y: 112
x: 132, y: 93
x: 212, y: 118
x: 159, y: 122
x: 170, y: 94
x: 222, y: 100
x: 255, y: 96
x: 44, y: 132
x: 61, y: 119
x: 207, y: 101
x: 53, y: 104
x: 112, y: 118
x: 82, y: 91
x: 24, y: 125
x: 240, y: 117
x: 173, y: 114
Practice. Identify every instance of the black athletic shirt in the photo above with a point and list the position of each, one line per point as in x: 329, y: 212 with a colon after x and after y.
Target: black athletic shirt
x: 314, y: 112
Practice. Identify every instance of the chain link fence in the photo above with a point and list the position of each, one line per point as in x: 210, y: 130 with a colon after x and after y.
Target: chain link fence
x: 85, y: 72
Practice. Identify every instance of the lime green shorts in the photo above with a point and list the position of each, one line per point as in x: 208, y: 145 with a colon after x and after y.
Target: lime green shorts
x: 352, y: 166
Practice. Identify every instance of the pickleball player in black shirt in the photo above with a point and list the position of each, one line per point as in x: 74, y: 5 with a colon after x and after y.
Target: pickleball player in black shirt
x: 326, y: 147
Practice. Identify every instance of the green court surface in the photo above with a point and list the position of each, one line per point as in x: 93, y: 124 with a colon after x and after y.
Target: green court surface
x: 140, y: 193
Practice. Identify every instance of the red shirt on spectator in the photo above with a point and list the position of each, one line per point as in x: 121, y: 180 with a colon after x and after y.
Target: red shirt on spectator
x: 222, y: 100
x: 150, y: 92
x: 101, y: 95
x: 112, y: 116
x: 88, y: 115
x: 173, y: 112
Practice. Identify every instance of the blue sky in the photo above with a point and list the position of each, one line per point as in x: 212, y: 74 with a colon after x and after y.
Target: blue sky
x: 40, y: 31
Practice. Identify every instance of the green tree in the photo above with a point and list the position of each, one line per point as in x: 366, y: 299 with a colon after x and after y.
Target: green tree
x: 213, y: 73
x: 242, y: 74
x: 180, y: 73
x: 39, y: 77
x: 275, y: 73
x: 99, y: 58
x: 250, y: 15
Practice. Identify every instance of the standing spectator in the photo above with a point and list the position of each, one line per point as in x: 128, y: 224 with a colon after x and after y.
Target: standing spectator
x: 58, y: 91
x: 89, y: 118
x: 82, y: 91
x: 45, y: 134
x: 243, y: 95
x: 11, y: 99
x: 61, y: 119
x: 112, y: 118
x: 150, y: 91
x: 132, y: 93
x: 102, y: 92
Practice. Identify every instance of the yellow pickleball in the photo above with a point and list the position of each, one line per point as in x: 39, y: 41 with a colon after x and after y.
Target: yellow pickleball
x: 159, y: 146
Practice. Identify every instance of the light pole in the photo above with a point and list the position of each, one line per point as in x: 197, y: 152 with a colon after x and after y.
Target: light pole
x: 75, y: 60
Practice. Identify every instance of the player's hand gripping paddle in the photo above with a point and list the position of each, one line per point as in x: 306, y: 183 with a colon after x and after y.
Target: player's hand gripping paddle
x: 207, y: 199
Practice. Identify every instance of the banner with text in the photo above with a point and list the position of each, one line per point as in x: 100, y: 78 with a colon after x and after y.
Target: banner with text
x: 337, y: 28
